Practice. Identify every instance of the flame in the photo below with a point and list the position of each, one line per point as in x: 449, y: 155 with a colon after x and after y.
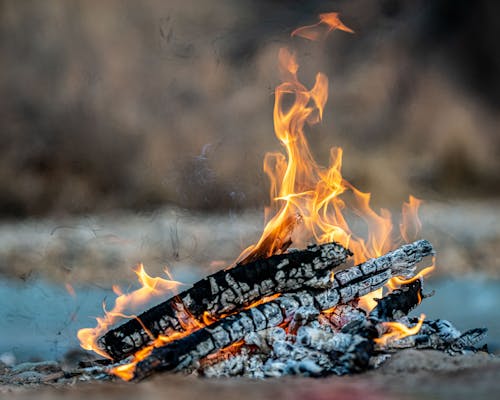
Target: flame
x: 397, y: 281
x: 328, y: 22
x: 308, y: 201
x: 150, y: 287
x: 410, y: 223
x: 397, y: 330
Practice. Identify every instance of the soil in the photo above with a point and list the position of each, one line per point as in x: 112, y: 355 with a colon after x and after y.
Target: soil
x: 409, y: 374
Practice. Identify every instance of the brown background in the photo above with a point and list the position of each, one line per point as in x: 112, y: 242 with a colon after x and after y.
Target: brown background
x: 123, y: 104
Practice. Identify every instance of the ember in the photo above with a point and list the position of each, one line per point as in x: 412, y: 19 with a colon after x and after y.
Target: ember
x: 280, y: 311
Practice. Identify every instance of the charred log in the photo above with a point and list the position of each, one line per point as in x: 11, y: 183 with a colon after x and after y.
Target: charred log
x: 441, y: 335
x: 398, y: 303
x: 226, y: 291
x: 346, y: 285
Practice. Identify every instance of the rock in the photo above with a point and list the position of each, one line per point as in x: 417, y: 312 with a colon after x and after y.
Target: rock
x: 27, y: 377
x: 44, y: 367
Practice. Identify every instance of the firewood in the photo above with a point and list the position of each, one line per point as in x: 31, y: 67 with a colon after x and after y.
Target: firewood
x: 363, y: 331
x: 224, y: 292
x: 441, y: 335
x: 398, y: 303
x: 316, y: 350
x: 346, y: 285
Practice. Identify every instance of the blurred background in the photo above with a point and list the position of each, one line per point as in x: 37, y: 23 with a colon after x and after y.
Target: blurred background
x: 135, y: 131
x: 116, y: 104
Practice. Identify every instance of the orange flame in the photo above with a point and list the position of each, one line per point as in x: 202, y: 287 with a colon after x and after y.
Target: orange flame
x: 397, y: 281
x: 328, y: 22
x: 307, y: 199
x: 397, y: 331
x: 150, y: 287
x: 410, y: 223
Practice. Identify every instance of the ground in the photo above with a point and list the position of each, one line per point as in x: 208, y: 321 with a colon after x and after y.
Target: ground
x: 409, y: 374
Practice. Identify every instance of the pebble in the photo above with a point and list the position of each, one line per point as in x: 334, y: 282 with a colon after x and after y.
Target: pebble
x: 43, y: 367
x: 27, y: 377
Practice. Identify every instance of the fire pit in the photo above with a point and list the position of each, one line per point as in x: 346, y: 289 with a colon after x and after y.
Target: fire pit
x: 338, y: 306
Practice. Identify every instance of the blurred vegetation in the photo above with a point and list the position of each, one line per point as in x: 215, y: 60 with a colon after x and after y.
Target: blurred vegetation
x: 123, y: 104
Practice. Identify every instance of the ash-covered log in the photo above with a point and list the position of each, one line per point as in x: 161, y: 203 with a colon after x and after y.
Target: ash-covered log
x: 346, y: 286
x: 315, y: 349
x: 361, y: 332
x: 226, y: 291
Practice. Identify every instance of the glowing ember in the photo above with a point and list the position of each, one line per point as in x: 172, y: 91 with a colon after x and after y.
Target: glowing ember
x: 191, y: 324
x: 398, y: 331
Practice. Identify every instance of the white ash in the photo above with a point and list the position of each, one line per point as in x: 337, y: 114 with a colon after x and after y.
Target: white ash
x: 274, y: 352
x: 319, y: 348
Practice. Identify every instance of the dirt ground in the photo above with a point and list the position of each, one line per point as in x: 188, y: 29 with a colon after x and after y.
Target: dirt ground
x: 409, y: 374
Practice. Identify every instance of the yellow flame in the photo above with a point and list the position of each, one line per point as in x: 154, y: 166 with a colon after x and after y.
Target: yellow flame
x: 397, y: 281
x: 149, y: 287
x: 307, y: 201
x: 398, y: 331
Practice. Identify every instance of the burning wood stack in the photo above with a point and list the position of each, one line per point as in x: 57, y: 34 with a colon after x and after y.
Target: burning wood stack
x: 280, y: 311
x: 287, y: 314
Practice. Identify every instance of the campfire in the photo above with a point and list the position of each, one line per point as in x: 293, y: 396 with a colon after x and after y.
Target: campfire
x: 312, y: 296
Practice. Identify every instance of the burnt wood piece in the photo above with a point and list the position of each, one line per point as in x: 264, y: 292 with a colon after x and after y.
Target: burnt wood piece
x: 356, y: 358
x: 346, y: 285
x: 227, y: 291
x: 398, y: 303
x: 439, y: 334
x: 363, y: 331
x: 314, y: 350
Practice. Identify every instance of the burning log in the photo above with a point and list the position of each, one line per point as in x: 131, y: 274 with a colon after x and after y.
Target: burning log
x: 398, y: 303
x: 441, y: 335
x: 346, y: 286
x: 361, y: 333
x: 226, y: 291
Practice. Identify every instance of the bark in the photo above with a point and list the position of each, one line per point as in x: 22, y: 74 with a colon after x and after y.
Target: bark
x: 224, y: 292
